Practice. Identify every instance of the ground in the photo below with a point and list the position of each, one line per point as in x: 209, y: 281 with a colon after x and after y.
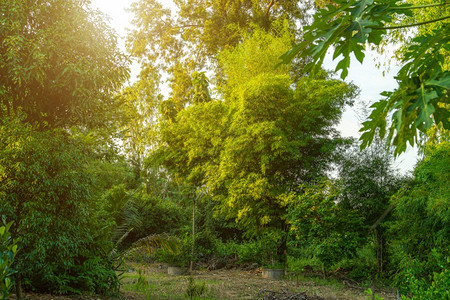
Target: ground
x: 153, y: 282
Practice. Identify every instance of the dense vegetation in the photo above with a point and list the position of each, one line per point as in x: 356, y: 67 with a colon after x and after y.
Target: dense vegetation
x: 241, y: 160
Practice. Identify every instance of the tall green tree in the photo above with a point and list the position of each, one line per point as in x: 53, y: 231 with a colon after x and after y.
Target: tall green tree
x: 176, y: 42
x: 266, y: 137
x: 60, y: 67
x: 203, y: 28
x: 137, y: 125
x: 322, y: 229
x: 279, y: 135
x: 367, y: 180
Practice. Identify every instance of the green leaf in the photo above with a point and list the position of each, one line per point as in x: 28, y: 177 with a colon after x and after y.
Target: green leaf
x: 443, y: 82
x: 358, y: 52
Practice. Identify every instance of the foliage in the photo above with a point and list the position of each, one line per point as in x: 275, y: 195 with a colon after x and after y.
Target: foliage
x: 256, y: 55
x: 422, y: 219
x: 251, y: 147
x: 422, y: 95
x: 331, y: 221
x: 371, y: 295
x: 142, y: 215
x: 194, y: 289
x: 367, y: 180
x: 178, y: 256
x: 138, y: 109
x: 63, y: 72
x: 142, y: 283
x: 95, y: 275
x: 364, y: 264
x: 193, y: 141
x: 275, y: 134
x: 331, y: 231
x: 191, y: 38
x: 433, y: 286
x: 45, y: 187
x: 8, y: 251
x: 261, y: 250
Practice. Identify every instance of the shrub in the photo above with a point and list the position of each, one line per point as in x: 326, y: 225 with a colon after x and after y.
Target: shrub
x: 194, y: 289
x: 417, y: 284
x: 329, y: 231
x: 45, y: 187
x: 420, y: 233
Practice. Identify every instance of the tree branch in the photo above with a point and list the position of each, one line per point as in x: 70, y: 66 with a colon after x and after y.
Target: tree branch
x: 272, y: 2
x: 410, y: 25
x: 388, y: 210
x: 421, y: 6
x: 188, y: 25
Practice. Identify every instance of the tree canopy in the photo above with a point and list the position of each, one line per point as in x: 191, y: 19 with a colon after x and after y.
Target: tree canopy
x: 59, y: 62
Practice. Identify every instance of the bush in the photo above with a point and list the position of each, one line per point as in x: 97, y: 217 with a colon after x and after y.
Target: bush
x: 330, y: 232
x: 205, y: 245
x: 417, y: 286
x: 363, y: 265
x: 46, y: 189
x: 420, y: 234
x: 261, y: 251
x: 179, y: 256
x: 143, y: 215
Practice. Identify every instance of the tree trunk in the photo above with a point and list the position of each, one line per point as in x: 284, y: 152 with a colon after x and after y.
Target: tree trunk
x: 19, y: 295
x: 193, y: 235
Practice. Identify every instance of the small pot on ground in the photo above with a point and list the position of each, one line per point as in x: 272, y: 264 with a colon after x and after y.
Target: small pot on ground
x: 275, y: 274
x: 172, y: 270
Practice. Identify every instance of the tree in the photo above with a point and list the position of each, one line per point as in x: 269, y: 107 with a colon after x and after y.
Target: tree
x: 176, y: 43
x: 137, y: 126
x: 421, y: 98
x: 204, y: 27
x: 59, y: 61
x: 264, y: 139
x: 367, y: 180
x: 279, y: 136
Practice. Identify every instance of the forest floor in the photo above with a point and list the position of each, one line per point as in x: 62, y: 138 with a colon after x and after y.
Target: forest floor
x: 152, y: 282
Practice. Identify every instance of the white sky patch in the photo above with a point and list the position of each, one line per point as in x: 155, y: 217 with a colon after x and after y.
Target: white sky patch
x: 366, y: 76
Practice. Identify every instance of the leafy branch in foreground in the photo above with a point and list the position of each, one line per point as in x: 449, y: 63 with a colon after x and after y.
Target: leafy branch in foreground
x: 8, y: 251
x: 421, y: 99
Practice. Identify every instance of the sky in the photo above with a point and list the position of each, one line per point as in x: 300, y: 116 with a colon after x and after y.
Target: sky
x: 366, y: 76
